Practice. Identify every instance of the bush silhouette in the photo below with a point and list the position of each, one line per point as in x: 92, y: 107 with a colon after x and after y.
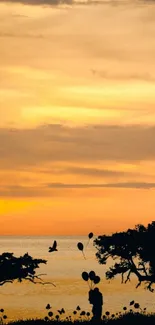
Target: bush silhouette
x: 19, y: 268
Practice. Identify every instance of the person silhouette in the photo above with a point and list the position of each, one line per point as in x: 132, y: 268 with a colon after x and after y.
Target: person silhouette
x: 96, y: 299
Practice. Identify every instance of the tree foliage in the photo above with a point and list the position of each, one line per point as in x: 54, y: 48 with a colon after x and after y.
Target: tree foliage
x: 132, y: 252
x: 19, y: 268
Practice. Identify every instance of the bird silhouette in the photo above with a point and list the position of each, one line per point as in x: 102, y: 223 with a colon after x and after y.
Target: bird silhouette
x: 53, y: 248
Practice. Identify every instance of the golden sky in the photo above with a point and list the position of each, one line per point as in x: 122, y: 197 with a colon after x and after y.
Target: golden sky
x: 77, y: 116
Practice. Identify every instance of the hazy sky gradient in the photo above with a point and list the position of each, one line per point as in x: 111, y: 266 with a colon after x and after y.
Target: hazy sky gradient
x: 77, y: 116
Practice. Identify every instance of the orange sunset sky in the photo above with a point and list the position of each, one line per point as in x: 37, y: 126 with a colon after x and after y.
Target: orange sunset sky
x: 77, y: 116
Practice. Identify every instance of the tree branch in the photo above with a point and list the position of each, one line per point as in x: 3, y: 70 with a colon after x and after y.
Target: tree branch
x: 134, y: 250
x: 5, y: 281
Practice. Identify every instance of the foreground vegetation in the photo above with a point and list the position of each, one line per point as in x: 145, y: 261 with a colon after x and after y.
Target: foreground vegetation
x: 132, y: 252
x: 125, y: 319
x: 133, y: 314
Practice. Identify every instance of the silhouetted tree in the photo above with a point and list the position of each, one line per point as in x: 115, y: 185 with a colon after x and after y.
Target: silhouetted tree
x: 19, y: 268
x: 133, y: 251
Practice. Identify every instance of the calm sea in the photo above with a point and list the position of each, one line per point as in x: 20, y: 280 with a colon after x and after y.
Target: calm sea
x: 64, y: 268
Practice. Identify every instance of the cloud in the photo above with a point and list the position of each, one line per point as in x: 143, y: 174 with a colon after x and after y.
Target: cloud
x: 21, y: 35
x: 128, y: 185
x: 56, y: 2
x: 57, y: 189
x: 127, y: 49
x: 86, y: 171
x: 94, y: 172
x: 123, y: 76
x: 57, y: 143
x: 23, y: 191
x: 39, y: 2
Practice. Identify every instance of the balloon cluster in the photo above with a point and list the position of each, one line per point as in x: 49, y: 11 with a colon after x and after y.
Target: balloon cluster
x: 81, y: 246
x: 91, y: 278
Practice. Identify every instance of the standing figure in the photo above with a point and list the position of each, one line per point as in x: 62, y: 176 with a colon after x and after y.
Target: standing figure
x: 96, y: 299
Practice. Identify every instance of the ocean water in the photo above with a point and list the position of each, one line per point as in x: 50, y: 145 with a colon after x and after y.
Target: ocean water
x: 64, y: 268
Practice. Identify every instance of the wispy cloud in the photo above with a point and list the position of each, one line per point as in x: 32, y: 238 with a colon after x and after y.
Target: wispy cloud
x: 39, y: 2
x: 23, y: 191
x: 21, y: 35
x: 57, y: 2
x: 57, y: 143
x: 87, y: 171
x: 57, y: 189
x: 123, y: 76
x: 138, y: 185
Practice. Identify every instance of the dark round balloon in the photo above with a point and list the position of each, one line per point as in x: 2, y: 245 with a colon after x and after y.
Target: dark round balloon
x: 97, y: 279
x: 80, y: 246
x: 90, y: 235
x: 92, y: 275
x: 85, y: 276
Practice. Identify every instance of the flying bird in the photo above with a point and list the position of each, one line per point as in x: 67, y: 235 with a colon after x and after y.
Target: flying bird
x: 53, y: 248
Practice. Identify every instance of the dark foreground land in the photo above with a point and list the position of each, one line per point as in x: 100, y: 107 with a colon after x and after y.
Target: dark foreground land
x: 126, y: 319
